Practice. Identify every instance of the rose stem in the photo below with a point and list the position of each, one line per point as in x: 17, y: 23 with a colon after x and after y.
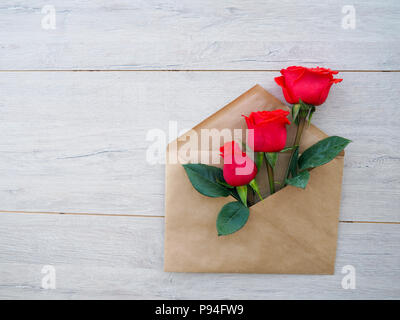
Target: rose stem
x: 300, y: 127
x: 270, y: 178
x: 299, y: 132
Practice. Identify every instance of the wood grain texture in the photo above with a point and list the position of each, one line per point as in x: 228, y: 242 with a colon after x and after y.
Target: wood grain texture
x: 121, y: 258
x: 76, y: 142
x: 257, y: 34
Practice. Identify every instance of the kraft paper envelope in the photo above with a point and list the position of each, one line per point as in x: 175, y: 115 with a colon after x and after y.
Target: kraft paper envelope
x: 292, y: 231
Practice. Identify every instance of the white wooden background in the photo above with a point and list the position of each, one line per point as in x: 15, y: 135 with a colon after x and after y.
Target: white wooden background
x: 76, y: 191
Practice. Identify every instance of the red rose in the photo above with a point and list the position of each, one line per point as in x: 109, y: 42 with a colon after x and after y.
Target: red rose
x: 311, y: 85
x: 239, y: 169
x: 269, y: 130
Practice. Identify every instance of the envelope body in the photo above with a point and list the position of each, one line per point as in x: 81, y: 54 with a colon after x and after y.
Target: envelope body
x: 293, y: 231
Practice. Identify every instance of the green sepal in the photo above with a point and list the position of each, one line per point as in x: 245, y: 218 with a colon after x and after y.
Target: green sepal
x: 305, y: 107
x: 299, y: 181
x: 259, y: 160
x: 254, y: 185
x: 288, y: 149
x: 271, y: 158
x: 295, y: 111
x: 232, y: 217
x: 242, y: 191
x: 303, y: 111
x: 312, y: 110
x: 322, y: 152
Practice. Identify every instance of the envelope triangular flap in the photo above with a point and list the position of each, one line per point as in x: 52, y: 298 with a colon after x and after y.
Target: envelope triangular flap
x: 292, y: 231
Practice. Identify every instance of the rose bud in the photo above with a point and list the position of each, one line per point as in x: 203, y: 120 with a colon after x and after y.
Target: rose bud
x: 269, y: 130
x: 311, y: 85
x: 239, y: 169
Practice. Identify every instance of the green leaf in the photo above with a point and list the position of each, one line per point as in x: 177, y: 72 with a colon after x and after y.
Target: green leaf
x: 271, y: 158
x: 232, y: 217
x: 299, y: 181
x: 322, y: 152
x: 232, y: 189
x: 293, y: 163
x: 223, y: 183
x: 205, y: 180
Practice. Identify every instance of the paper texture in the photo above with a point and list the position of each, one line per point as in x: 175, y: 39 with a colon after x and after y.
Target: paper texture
x: 293, y: 231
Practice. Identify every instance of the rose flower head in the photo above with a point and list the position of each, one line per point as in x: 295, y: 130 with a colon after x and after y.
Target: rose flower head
x: 239, y: 169
x: 311, y: 85
x: 267, y: 130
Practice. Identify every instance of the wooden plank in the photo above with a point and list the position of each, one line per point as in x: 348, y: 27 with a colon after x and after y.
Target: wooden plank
x: 137, y: 35
x: 121, y: 258
x: 76, y: 142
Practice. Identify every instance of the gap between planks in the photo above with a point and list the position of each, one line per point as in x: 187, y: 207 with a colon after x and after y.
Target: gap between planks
x: 146, y: 216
